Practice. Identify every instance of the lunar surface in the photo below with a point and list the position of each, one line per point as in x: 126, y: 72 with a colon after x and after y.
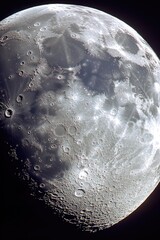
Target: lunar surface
x: 79, y: 111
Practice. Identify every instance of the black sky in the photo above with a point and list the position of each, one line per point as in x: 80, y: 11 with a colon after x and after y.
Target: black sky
x: 28, y: 219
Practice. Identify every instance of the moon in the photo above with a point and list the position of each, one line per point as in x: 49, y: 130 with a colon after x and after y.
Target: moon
x: 79, y: 111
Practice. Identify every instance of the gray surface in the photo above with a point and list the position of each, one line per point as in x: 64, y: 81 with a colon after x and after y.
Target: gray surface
x: 79, y: 106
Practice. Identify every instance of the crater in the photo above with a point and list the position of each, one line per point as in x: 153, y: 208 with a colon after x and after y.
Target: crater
x: 79, y: 192
x: 60, y: 130
x: 127, y: 42
x: 19, y: 98
x: 8, y: 113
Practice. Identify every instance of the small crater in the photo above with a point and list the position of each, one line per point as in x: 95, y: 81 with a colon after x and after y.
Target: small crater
x: 8, y: 113
x: 146, y: 138
x: 5, y: 38
x: 79, y: 192
x: 37, y: 24
x: 83, y: 174
x: 113, y: 112
x: 22, y: 63
x: 54, y: 146
x: 66, y: 149
x: 60, y: 130
x: 74, y: 35
x: 11, y: 76
x: 36, y: 167
x: 101, y: 141
x: 29, y: 53
x: 89, y: 208
x: 31, y: 84
x: 130, y: 124
x: 79, y: 141
x: 42, y: 185
x: 19, y: 98
x: 60, y: 76
x: 21, y: 73
x: 42, y: 29
x: 94, y: 143
x: 72, y: 130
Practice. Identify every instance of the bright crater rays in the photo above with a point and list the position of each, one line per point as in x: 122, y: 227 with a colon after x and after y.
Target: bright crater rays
x: 79, y: 111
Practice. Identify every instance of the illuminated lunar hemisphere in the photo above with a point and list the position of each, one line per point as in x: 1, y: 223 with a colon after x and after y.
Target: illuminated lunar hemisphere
x: 79, y: 111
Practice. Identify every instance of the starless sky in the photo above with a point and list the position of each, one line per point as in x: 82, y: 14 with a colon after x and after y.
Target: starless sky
x: 28, y: 219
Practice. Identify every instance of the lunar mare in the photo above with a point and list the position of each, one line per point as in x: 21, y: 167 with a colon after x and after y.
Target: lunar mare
x: 79, y: 111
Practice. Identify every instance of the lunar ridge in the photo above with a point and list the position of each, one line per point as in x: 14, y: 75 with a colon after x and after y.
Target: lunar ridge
x: 79, y: 110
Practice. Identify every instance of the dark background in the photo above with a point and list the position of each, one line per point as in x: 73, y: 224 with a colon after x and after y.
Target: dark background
x: 28, y: 219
